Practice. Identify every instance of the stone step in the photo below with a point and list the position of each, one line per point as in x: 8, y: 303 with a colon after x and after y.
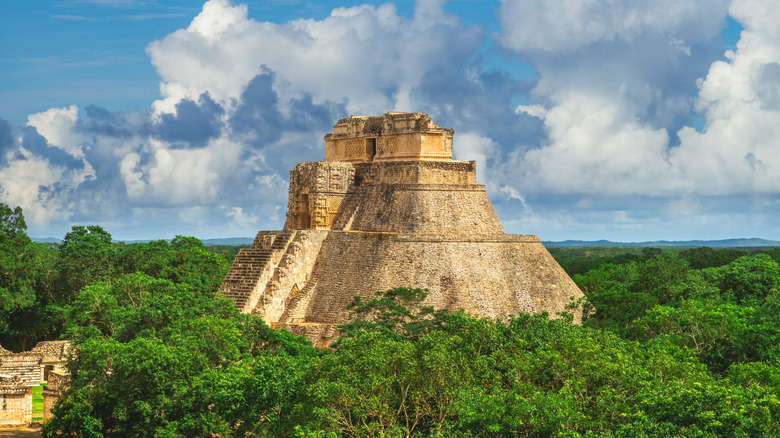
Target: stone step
x: 249, y: 265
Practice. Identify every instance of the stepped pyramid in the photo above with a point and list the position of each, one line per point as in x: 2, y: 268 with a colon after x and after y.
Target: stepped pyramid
x: 387, y: 208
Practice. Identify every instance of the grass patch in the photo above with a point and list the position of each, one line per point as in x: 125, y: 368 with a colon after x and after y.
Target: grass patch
x: 37, y: 403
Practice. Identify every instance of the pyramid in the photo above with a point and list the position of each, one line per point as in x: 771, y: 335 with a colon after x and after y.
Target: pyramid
x: 389, y: 207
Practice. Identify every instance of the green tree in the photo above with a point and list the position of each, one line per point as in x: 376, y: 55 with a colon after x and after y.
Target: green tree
x: 183, y: 260
x: 618, y: 295
x: 16, y: 291
x: 706, y: 257
x: 750, y: 279
x: 85, y: 256
x: 719, y: 333
x: 26, y: 281
x: 158, y: 358
x: 396, y: 313
x: 612, y: 303
x: 529, y: 376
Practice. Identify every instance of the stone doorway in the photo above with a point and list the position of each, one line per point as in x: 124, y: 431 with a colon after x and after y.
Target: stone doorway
x: 371, y: 148
x: 304, y: 216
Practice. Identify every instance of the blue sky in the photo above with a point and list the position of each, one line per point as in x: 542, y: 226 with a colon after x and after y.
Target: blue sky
x: 622, y: 120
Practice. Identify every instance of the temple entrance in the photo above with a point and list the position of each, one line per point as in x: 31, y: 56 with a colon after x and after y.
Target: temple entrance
x: 303, y: 216
x: 46, y: 370
x: 371, y: 148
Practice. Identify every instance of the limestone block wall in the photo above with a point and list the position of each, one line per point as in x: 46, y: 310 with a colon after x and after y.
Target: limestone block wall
x: 26, y: 366
x: 15, y: 402
x: 420, y: 208
x: 432, y: 145
x: 253, y: 267
x: 50, y: 398
x: 350, y: 150
x: 492, y: 276
x: 427, y: 172
x: 407, y: 196
x: 392, y: 136
x: 489, y: 275
x: 51, y: 394
x: 54, y: 356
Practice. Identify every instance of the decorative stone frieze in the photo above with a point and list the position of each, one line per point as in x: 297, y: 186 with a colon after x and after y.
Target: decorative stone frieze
x: 391, y: 137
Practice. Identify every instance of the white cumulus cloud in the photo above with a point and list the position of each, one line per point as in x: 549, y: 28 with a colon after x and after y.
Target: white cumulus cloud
x: 367, y: 55
x: 57, y: 126
x: 618, y: 85
x: 568, y: 25
x: 605, y: 132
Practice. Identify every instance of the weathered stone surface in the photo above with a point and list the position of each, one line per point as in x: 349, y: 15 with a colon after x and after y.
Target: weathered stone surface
x: 390, y: 137
x: 371, y: 218
x: 492, y: 276
x: 15, y: 401
x: 317, y: 190
x: 21, y: 371
x: 457, y: 209
x: 57, y: 384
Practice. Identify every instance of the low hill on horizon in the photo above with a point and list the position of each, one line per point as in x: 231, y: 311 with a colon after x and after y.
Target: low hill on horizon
x: 227, y: 241
x: 723, y: 243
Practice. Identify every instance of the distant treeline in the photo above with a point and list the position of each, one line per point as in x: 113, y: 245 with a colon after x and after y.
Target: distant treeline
x: 579, y: 260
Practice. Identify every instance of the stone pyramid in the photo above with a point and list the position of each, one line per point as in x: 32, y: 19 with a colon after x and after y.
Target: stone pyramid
x: 387, y: 208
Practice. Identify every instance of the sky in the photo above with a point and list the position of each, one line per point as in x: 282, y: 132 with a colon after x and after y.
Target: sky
x: 624, y: 120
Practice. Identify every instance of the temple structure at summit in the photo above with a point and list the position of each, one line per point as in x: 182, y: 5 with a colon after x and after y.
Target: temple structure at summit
x: 389, y: 207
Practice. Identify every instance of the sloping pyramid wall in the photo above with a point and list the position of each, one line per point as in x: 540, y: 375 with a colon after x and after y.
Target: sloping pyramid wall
x: 443, y: 237
x: 491, y: 276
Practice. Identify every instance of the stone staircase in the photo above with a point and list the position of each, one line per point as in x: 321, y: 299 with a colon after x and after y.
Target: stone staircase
x: 253, y: 267
x: 282, y: 240
x: 266, y: 305
x: 295, y: 308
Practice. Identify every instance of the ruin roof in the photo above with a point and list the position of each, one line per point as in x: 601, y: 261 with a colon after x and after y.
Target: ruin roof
x: 388, y: 123
x: 52, y: 350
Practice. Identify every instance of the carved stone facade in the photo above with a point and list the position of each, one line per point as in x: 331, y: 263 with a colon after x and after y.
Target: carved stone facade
x: 389, y: 208
x: 316, y: 192
x: 391, y: 137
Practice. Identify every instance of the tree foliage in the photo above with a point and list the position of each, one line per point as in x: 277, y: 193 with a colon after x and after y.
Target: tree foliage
x: 26, y: 283
x: 673, y: 343
x: 39, y: 285
x: 529, y: 376
x: 86, y: 255
x: 158, y: 358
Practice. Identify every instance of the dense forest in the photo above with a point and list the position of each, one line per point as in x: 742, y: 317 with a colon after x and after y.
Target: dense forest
x: 672, y: 343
